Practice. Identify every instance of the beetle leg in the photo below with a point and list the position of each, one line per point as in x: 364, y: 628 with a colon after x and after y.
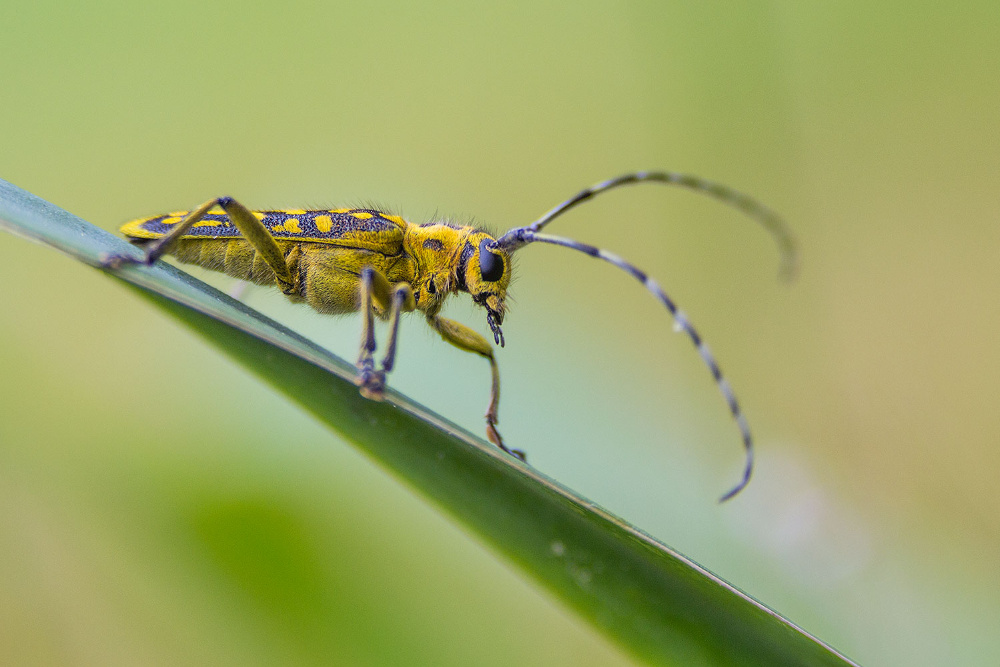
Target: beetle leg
x: 402, y: 299
x: 466, y: 339
x: 252, y: 229
x: 375, y: 288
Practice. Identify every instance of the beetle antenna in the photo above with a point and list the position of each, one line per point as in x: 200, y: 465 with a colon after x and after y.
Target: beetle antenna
x: 770, y: 220
x: 681, y: 323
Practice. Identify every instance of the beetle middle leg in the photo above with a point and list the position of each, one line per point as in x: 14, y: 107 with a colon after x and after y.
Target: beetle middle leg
x: 376, y: 289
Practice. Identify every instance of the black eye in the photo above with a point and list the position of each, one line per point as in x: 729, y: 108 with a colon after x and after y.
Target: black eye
x: 490, y: 263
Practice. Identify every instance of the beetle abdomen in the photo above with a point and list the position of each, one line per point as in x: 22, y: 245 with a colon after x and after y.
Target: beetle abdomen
x: 235, y: 257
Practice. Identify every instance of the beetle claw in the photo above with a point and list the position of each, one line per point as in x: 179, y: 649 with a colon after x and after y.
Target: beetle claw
x: 370, y: 381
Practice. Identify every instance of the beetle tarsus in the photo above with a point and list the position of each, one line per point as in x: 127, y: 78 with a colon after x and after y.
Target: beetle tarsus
x: 115, y: 261
x: 370, y: 381
x: 494, y: 436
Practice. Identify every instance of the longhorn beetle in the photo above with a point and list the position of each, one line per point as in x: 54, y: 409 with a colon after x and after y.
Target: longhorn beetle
x: 349, y: 259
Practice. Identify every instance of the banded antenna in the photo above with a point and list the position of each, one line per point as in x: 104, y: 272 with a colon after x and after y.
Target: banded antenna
x: 519, y: 237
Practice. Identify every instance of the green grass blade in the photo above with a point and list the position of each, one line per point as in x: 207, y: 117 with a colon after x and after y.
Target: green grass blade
x: 655, y: 602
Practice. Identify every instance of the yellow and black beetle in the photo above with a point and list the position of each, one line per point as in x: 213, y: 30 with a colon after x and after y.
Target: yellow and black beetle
x: 349, y: 259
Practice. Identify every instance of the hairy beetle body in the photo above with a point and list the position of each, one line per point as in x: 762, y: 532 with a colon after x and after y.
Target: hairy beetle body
x: 362, y: 259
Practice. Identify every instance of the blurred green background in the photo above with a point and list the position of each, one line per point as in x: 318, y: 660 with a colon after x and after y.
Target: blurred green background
x: 160, y: 506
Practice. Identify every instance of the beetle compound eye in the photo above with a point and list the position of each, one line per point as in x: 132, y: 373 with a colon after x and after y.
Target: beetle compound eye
x: 490, y: 263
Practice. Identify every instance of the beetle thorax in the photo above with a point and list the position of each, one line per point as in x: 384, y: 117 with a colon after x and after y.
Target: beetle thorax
x: 436, y: 250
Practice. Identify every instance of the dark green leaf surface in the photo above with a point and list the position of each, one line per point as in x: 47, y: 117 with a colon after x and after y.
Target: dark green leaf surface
x: 659, y: 605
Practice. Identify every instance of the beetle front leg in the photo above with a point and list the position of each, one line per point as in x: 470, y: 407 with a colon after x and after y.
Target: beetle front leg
x: 491, y: 412
x: 465, y: 338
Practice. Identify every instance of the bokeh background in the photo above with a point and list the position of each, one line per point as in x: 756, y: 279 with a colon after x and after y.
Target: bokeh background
x: 160, y: 506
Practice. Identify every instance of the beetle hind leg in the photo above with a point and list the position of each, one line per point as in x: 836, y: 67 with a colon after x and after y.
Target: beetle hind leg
x: 249, y: 226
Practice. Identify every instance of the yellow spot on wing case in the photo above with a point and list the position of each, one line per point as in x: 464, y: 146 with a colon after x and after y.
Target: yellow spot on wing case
x: 355, y: 228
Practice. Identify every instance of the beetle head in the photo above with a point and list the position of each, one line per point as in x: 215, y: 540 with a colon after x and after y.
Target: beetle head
x: 487, y: 274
